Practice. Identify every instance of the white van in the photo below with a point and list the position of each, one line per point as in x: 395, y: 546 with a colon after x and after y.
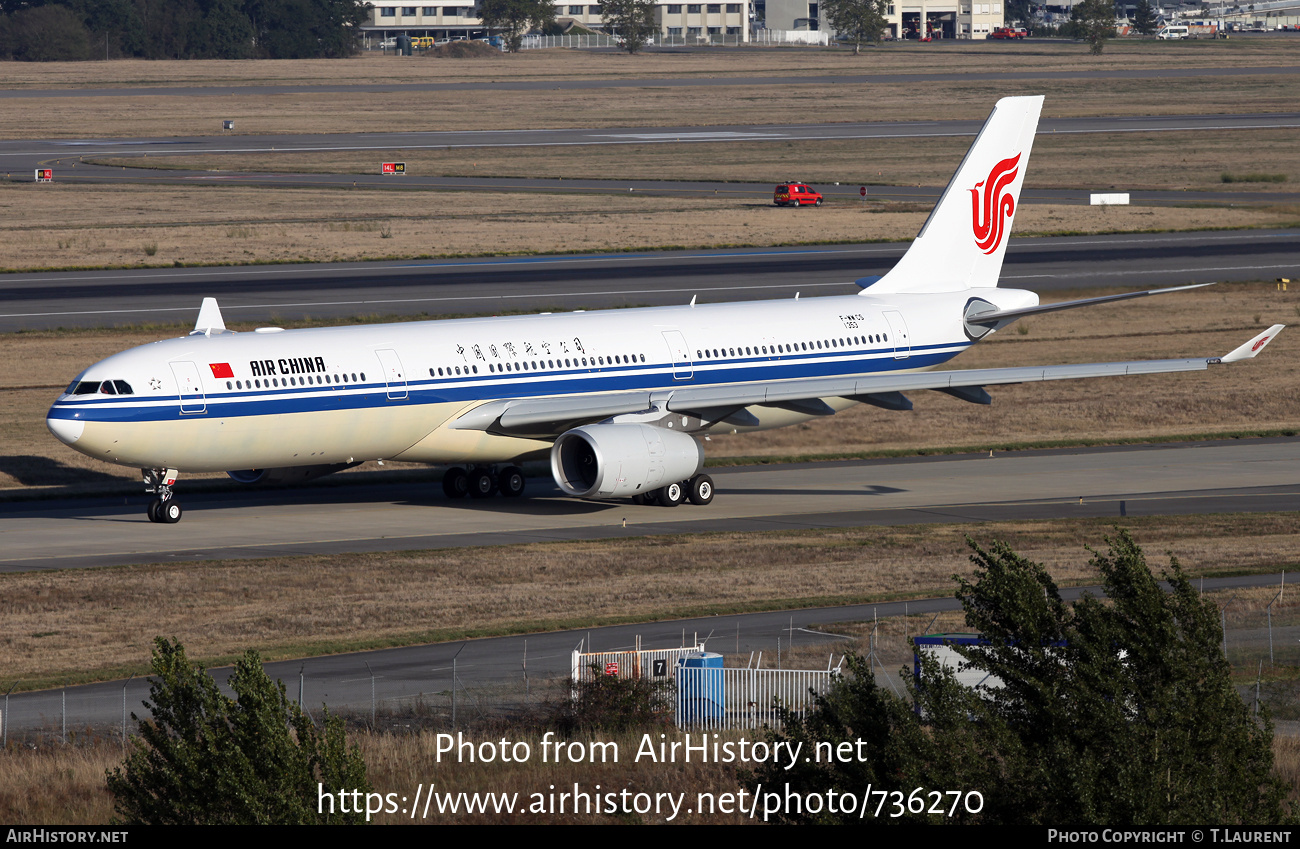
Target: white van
x: 1171, y: 32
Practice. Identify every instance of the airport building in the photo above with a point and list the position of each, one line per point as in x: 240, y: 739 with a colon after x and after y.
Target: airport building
x: 685, y: 20
x: 907, y: 19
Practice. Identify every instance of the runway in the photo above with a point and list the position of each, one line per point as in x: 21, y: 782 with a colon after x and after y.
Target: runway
x: 1169, y: 479
x: 492, y: 285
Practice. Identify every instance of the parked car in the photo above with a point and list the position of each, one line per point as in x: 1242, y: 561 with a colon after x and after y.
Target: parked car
x: 796, y: 194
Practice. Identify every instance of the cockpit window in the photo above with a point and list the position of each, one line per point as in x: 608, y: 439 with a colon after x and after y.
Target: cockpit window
x: 106, y: 387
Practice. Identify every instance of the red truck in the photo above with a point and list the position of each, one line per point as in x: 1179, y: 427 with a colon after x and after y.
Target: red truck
x: 1009, y: 32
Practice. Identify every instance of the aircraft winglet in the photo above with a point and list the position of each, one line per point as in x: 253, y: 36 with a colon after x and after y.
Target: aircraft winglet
x: 210, y: 320
x: 1253, y: 347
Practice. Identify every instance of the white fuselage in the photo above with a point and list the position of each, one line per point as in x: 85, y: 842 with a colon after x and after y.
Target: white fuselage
x: 272, y: 398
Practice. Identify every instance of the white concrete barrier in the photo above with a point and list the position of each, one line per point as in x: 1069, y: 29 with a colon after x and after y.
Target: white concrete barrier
x: 1114, y: 199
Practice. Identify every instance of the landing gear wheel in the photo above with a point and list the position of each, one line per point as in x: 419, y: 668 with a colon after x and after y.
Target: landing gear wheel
x: 455, y: 483
x: 153, y: 510
x: 170, y: 512
x: 481, y: 484
x: 672, y: 495
x: 511, y: 482
x: 701, y: 490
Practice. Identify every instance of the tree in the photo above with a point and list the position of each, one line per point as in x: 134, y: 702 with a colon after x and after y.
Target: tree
x: 306, y: 29
x: 632, y: 20
x: 1019, y: 11
x: 1112, y: 713
x: 1144, y: 18
x: 516, y: 17
x: 856, y: 20
x: 1125, y: 712
x: 204, y: 758
x: 44, y: 34
x: 1094, y: 22
x: 224, y: 32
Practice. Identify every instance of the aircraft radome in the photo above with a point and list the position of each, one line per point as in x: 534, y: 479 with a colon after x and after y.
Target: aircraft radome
x: 619, y: 399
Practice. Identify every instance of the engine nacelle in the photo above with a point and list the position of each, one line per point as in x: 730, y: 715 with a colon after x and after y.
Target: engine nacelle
x: 288, y: 475
x: 620, y: 460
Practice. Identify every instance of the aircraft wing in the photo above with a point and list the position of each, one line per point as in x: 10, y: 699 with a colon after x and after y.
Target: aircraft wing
x: 727, y: 402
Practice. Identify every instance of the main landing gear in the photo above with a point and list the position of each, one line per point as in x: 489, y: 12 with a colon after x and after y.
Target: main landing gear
x: 164, y: 508
x: 698, y: 490
x: 483, y: 482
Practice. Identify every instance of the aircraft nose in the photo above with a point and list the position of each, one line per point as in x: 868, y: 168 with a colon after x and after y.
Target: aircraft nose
x: 68, y: 431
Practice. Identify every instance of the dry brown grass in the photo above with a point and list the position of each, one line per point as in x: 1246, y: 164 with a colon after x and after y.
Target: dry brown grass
x: 69, y: 226
x: 1132, y: 161
x: 64, y: 785
x: 375, y: 69
x: 1253, y: 396
x: 98, y: 624
x: 258, y: 112
x: 58, y: 785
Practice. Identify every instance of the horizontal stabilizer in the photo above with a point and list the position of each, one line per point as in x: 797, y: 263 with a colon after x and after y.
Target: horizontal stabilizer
x: 992, y: 316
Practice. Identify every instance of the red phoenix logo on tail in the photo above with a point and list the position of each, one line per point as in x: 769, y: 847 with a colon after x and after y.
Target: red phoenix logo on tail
x: 990, y: 212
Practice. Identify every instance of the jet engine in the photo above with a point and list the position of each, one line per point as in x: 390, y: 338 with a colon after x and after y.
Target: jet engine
x: 287, y: 475
x: 620, y: 460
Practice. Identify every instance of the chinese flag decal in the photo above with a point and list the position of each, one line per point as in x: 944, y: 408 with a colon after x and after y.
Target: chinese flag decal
x: 221, y: 370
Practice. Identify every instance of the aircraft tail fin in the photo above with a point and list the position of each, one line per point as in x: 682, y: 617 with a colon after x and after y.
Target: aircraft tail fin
x: 963, y: 241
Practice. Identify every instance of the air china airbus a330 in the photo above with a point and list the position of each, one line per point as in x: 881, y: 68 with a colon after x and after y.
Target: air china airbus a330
x: 619, y: 398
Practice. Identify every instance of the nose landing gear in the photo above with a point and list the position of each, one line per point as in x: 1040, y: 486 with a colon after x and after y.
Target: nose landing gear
x: 163, y: 509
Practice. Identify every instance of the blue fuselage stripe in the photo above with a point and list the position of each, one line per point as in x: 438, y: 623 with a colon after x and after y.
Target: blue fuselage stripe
x: 490, y: 387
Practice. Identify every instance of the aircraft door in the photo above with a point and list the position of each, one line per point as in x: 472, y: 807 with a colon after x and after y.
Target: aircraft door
x: 190, y: 388
x: 394, y: 374
x: 898, y: 335
x: 679, y: 354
